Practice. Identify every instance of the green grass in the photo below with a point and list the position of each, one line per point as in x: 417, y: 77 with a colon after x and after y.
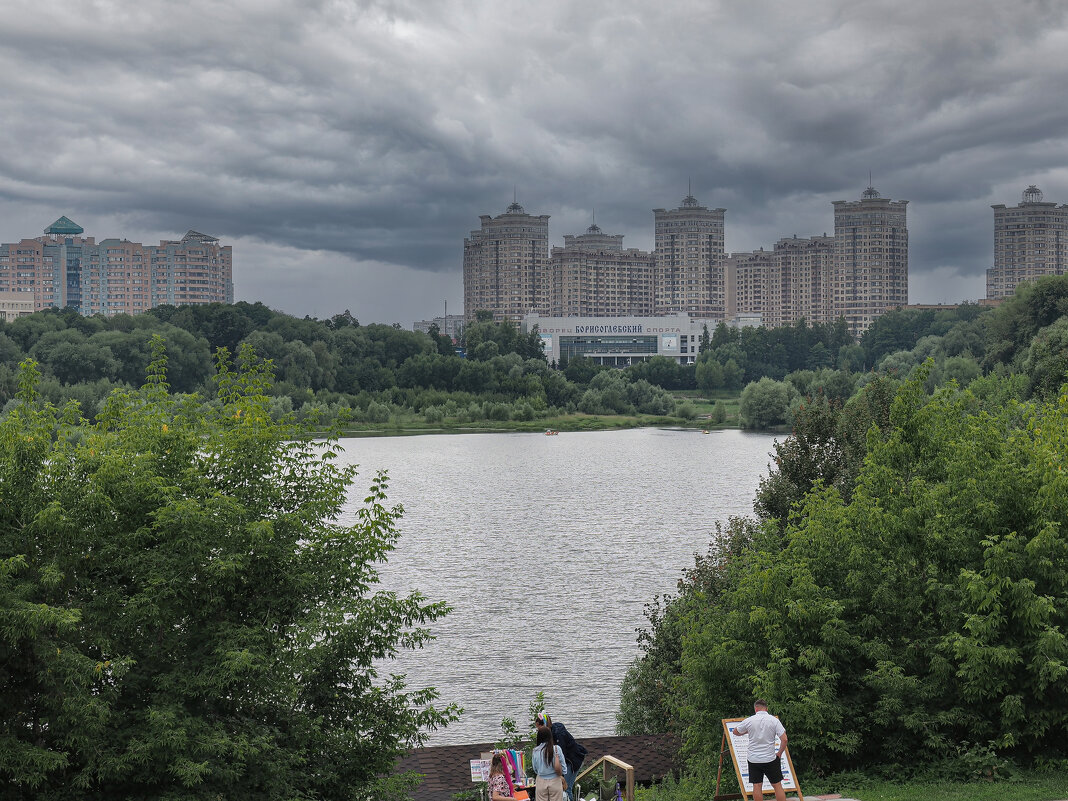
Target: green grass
x: 1045, y: 786
x: 571, y: 422
x: 1027, y: 785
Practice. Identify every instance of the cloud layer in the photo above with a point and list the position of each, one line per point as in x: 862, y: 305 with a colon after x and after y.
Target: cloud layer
x: 346, y: 148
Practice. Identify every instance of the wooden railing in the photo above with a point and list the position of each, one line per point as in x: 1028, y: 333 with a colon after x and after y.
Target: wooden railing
x: 604, y: 762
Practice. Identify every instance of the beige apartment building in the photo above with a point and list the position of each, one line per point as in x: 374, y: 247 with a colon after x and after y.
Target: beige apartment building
x: 506, y: 266
x: 1030, y: 241
x: 62, y: 268
x: 801, y: 281
x: 859, y: 273
x: 871, y: 259
x: 747, y: 280
x: 782, y: 285
x: 689, y: 275
x: 593, y: 276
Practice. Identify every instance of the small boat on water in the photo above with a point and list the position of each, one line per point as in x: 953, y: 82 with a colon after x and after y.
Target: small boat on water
x: 551, y: 432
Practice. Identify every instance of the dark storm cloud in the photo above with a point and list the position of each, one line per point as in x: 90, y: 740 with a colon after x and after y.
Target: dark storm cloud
x: 350, y: 146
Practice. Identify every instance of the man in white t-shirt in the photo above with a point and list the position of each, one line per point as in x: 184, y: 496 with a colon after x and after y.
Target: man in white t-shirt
x: 762, y: 729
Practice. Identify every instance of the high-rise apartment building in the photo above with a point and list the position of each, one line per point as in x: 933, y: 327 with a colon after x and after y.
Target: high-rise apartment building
x: 191, y: 270
x: 689, y: 275
x: 800, y: 284
x: 871, y: 259
x: 1030, y: 240
x: 506, y: 266
x: 747, y: 279
x: 593, y: 276
x: 782, y: 285
x: 62, y: 268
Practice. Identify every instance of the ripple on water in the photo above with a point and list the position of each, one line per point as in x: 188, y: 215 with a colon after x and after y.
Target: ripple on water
x: 548, y: 549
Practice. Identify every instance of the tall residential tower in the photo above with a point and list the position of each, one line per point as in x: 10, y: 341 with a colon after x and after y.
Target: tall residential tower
x: 593, y: 276
x: 506, y: 266
x: 689, y: 275
x: 871, y: 259
x: 1030, y: 240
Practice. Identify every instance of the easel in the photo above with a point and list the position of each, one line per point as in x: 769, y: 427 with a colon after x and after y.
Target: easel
x: 738, y: 745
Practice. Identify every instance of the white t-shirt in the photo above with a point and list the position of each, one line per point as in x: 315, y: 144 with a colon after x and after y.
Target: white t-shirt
x: 762, y: 729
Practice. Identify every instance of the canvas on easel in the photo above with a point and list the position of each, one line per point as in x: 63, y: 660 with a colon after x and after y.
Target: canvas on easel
x: 738, y: 745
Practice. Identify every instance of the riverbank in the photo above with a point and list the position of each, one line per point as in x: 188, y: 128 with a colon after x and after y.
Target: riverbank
x: 701, y: 419
x: 572, y: 422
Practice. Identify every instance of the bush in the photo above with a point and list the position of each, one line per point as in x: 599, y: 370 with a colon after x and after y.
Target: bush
x: 377, y: 413
x: 719, y: 413
x: 523, y: 411
x: 766, y: 403
x: 686, y: 410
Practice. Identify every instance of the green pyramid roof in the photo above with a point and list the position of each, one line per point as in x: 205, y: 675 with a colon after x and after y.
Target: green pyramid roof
x: 64, y: 226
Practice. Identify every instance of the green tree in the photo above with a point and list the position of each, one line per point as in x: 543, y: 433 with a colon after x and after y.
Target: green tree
x: 926, y: 611
x: 732, y: 374
x: 766, y: 403
x: 709, y: 373
x: 705, y: 343
x: 185, y: 613
x: 1046, y: 363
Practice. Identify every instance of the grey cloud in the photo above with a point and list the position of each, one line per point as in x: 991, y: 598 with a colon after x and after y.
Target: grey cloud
x: 369, y: 136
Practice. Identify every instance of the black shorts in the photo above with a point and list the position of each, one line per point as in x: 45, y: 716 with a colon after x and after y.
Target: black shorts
x: 772, y: 771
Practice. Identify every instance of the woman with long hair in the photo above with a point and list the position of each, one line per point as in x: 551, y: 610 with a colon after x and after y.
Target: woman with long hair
x: 498, y: 785
x: 548, y: 767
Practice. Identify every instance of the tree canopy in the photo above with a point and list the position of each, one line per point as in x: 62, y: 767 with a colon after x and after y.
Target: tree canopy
x: 908, y: 595
x: 185, y: 612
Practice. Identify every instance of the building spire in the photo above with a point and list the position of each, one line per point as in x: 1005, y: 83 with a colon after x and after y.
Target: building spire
x: 515, y: 208
x: 689, y: 201
x: 871, y: 193
x: 594, y: 229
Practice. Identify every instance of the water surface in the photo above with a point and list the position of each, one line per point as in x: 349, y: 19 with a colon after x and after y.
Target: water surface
x: 548, y: 549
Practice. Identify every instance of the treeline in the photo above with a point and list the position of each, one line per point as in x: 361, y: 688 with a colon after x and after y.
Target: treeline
x: 900, y: 588
x: 324, y: 370
x: 337, y: 368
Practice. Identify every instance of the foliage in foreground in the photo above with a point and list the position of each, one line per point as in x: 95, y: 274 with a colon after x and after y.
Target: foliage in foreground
x: 926, y: 609
x: 182, y: 615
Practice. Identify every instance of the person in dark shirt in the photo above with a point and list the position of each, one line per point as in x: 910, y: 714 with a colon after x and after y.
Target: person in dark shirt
x: 574, y: 752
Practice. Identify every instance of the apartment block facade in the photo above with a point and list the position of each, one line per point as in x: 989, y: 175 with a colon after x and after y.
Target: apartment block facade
x: 747, y: 278
x: 1030, y: 241
x: 871, y: 259
x: 801, y: 281
x: 689, y: 275
x: 858, y: 273
x: 506, y: 266
x: 62, y: 268
x: 593, y: 276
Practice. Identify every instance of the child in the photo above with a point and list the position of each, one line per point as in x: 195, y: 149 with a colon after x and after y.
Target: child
x: 498, y: 785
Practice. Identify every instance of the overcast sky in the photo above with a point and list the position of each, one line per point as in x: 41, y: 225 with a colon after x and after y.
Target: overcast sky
x: 346, y: 148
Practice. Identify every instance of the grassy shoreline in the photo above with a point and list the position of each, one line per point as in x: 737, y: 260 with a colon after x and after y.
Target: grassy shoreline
x: 410, y: 425
x: 575, y: 422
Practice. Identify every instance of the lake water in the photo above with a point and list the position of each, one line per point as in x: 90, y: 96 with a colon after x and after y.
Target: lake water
x: 548, y: 549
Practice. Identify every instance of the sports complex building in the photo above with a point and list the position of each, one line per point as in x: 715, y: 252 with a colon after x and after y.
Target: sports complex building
x: 622, y: 341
